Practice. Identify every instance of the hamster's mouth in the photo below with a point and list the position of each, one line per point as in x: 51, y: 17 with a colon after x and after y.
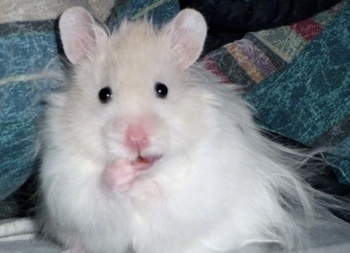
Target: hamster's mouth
x: 142, y: 163
x: 122, y: 173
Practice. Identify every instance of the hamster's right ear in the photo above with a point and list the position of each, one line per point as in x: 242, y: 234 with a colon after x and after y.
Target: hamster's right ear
x: 187, y: 33
x: 79, y: 33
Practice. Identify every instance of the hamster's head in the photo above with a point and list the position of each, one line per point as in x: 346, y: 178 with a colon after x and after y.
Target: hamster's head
x: 131, y: 95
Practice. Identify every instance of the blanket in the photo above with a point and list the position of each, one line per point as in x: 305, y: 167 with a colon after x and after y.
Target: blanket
x: 297, y: 77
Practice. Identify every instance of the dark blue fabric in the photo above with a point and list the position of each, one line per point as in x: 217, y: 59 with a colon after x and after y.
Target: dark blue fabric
x: 253, y: 15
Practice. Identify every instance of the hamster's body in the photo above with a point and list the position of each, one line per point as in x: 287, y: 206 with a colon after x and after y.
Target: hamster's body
x: 180, y: 169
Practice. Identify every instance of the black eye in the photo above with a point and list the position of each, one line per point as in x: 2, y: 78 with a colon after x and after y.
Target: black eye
x: 105, y: 95
x: 161, y: 90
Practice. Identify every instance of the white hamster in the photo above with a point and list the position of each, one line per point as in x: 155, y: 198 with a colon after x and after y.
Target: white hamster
x: 145, y: 151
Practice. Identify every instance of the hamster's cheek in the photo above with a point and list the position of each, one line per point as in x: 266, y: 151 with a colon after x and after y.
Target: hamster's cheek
x: 113, y: 140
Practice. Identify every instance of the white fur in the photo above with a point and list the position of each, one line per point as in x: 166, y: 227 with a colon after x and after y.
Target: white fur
x: 220, y: 186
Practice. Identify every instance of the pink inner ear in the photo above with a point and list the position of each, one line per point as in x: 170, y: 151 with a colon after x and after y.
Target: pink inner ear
x: 79, y: 47
x: 188, y: 32
x: 79, y: 33
x: 188, y: 48
x: 101, y: 36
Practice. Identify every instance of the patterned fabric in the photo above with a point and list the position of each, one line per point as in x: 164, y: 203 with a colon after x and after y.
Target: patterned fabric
x: 159, y: 10
x: 229, y: 20
x: 29, y: 70
x: 298, y: 77
x: 34, y: 10
x: 260, y: 54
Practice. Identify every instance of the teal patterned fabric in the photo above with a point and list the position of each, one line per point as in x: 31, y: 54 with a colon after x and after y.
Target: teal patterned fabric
x: 309, y: 101
x: 27, y: 56
x: 29, y: 70
x: 159, y: 10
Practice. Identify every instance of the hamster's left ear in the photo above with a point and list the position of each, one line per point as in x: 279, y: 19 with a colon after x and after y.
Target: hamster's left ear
x: 188, y: 31
x: 79, y: 33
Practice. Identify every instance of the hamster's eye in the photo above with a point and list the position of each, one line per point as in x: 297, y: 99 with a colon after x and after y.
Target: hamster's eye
x: 161, y: 90
x: 105, y: 95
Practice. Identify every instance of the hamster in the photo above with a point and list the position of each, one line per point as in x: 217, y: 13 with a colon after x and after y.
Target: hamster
x: 145, y: 151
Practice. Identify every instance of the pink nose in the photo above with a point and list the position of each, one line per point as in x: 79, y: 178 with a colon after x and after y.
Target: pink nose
x: 136, y: 137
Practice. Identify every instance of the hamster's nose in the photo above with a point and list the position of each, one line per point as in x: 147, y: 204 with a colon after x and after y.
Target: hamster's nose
x: 137, y: 137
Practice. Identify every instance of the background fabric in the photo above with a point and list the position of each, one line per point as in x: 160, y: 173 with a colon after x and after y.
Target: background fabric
x: 229, y: 20
x: 253, y: 15
x: 298, y: 79
x: 30, y: 10
x: 310, y: 100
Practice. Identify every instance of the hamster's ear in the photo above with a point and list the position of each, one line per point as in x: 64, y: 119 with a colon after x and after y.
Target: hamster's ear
x: 79, y: 33
x: 188, y: 31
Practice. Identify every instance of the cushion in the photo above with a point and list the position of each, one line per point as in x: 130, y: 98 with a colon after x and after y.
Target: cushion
x: 298, y: 79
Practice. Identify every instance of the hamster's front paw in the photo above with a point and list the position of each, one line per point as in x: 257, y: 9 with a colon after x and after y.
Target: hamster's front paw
x: 120, y: 175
